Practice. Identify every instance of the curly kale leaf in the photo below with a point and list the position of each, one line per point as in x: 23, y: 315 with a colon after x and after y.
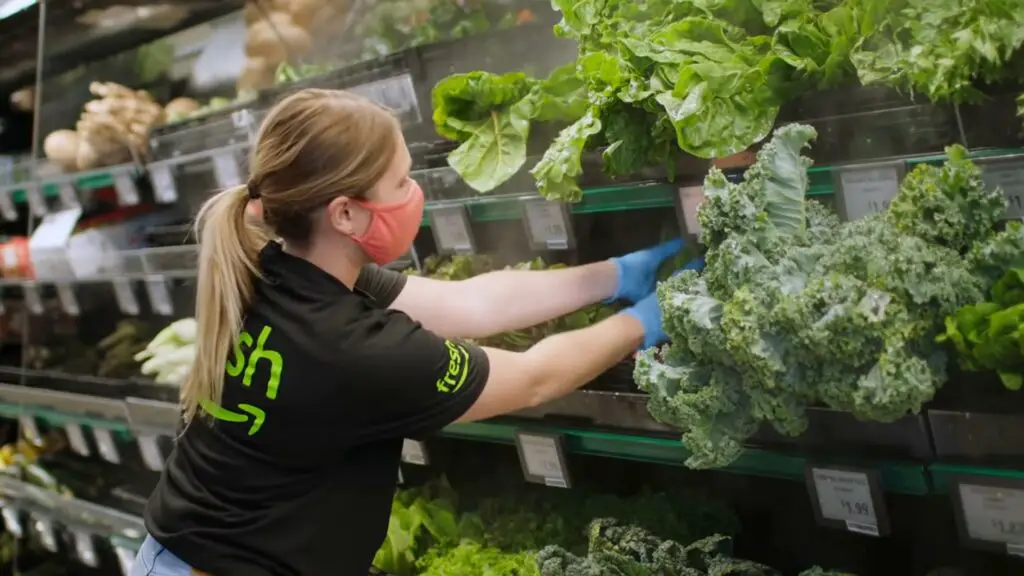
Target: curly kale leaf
x: 947, y: 205
x: 795, y: 309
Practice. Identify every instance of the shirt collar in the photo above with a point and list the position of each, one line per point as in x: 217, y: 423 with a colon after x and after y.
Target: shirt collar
x: 279, y: 267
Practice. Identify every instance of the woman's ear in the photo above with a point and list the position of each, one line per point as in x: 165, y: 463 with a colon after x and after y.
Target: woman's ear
x: 347, y: 217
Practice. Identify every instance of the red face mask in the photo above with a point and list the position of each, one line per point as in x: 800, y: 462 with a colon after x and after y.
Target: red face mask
x: 392, y: 227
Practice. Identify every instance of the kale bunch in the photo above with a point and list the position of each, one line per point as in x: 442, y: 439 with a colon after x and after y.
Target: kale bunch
x: 628, y: 550
x: 796, y: 309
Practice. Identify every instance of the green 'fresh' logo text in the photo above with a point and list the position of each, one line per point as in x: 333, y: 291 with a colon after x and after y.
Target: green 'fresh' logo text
x: 245, y: 366
x: 458, y: 368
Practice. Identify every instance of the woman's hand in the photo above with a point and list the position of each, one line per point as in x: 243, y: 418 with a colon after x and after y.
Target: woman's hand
x: 638, y: 271
x: 648, y: 313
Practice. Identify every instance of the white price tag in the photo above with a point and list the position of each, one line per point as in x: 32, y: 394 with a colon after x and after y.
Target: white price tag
x: 36, y: 202
x: 541, y: 458
x: 845, y: 496
x: 690, y: 198
x: 125, y: 559
x: 225, y: 169
x: 106, y: 445
x: 85, y: 550
x: 125, y: 295
x: 164, y: 189
x: 451, y: 229
x: 127, y: 192
x: 242, y: 118
x: 76, y: 438
x: 868, y: 189
x: 414, y: 452
x: 68, y: 195
x: 547, y: 224
x: 993, y: 514
x: 68, y: 301
x: 43, y: 527
x: 152, y: 456
x: 30, y: 430
x: 159, y: 295
x: 12, y: 521
x: 10, y: 213
x: 33, y: 301
x: 1009, y: 175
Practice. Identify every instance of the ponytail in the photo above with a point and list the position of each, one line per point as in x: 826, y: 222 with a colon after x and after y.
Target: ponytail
x: 229, y: 246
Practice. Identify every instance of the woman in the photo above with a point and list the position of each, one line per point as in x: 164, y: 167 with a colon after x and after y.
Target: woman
x: 313, y: 366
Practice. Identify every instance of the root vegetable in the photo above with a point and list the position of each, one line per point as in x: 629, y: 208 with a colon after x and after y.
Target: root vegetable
x: 61, y: 147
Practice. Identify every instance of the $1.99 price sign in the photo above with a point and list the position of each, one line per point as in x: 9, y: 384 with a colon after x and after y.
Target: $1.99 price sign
x: 990, y: 512
x: 542, y: 458
x: 848, y: 499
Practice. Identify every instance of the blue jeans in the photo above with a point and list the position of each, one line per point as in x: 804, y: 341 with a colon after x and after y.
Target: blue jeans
x: 155, y: 560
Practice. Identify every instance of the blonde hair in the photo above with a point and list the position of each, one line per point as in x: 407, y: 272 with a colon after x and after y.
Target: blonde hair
x: 313, y: 146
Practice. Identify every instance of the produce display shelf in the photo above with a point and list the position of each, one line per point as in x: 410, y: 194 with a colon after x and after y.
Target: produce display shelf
x: 901, y: 477
x: 944, y: 475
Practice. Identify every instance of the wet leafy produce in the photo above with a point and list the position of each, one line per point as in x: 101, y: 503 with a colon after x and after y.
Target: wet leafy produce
x: 796, y: 309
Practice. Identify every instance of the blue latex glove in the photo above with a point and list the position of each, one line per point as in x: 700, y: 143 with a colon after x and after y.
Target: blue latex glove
x: 638, y: 270
x: 649, y: 315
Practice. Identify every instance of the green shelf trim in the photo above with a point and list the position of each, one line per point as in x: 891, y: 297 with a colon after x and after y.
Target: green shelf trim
x: 60, y: 419
x: 907, y: 478
x: 941, y: 473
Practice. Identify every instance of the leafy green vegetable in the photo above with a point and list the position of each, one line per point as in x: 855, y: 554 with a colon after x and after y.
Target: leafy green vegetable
x: 419, y: 519
x: 795, y: 309
x: 990, y: 335
x: 472, y: 559
x: 706, y: 78
x: 942, y: 48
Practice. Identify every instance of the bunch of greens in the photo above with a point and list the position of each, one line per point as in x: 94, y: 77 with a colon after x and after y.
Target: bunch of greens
x: 795, y: 309
x: 420, y: 519
x: 703, y: 76
x: 944, y: 48
x: 989, y: 336
x: 472, y: 559
x: 627, y: 550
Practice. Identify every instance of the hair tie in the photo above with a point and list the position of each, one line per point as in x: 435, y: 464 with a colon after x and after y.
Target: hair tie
x: 254, y: 194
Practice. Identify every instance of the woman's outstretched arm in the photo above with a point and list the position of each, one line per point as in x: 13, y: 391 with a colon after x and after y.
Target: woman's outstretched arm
x: 506, y: 300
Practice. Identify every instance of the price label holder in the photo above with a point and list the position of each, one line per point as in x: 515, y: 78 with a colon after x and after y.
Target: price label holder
x: 864, y: 189
x: 68, y: 195
x: 542, y: 457
x: 414, y: 452
x: 68, y: 301
x: 33, y: 300
x: 225, y: 169
x: 105, y: 445
x: 159, y: 295
x: 152, y: 455
x: 848, y: 498
x: 688, y: 200
x: 989, y: 512
x: 36, y: 202
x: 12, y: 521
x: 548, y: 224
x: 127, y: 191
x: 1006, y: 173
x: 125, y: 296
x: 42, y: 526
x: 452, y: 232
x: 162, y: 179
x: 85, y: 548
x: 30, y: 430
x: 401, y: 479
x: 7, y: 209
x: 76, y: 438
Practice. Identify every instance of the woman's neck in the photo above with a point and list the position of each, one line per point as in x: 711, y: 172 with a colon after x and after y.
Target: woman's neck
x: 344, y: 260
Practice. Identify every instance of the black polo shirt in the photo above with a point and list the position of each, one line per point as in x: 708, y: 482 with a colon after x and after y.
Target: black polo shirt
x: 297, y: 475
